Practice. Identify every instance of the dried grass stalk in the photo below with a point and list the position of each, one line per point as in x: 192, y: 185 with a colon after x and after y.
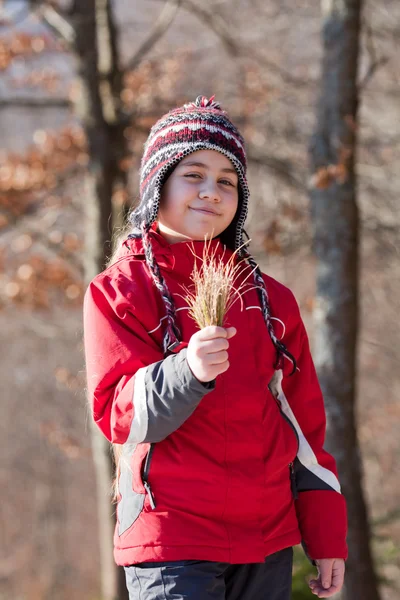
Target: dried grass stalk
x: 214, y: 287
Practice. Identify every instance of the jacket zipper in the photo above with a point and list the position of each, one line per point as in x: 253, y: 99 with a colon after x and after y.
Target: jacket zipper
x: 291, y: 464
x: 293, y: 481
x: 145, y: 476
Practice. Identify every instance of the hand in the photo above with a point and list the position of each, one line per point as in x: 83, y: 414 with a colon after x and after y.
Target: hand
x: 207, y: 352
x: 330, y: 577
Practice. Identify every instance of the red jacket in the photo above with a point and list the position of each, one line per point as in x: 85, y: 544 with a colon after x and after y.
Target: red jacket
x: 229, y: 471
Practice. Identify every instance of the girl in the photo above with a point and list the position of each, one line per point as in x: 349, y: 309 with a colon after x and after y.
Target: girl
x: 220, y: 431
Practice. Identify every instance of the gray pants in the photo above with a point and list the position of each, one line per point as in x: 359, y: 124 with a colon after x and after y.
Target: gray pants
x: 205, y: 580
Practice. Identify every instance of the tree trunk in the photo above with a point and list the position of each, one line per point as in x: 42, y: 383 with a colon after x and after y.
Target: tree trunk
x: 336, y: 232
x: 99, y: 111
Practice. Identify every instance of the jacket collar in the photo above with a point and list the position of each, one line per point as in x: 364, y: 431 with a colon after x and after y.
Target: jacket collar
x: 178, y: 257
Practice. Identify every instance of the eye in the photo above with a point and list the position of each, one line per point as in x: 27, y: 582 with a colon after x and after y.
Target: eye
x: 226, y: 181
x: 192, y: 175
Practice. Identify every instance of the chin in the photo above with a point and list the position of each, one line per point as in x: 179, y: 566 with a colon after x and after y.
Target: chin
x: 201, y: 234
x: 196, y: 234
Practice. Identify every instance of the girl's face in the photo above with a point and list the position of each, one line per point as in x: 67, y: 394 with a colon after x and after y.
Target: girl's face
x: 199, y: 198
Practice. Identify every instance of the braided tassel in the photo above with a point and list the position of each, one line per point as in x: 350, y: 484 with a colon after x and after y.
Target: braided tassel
x: 281, y: 349
x: 171, y: 333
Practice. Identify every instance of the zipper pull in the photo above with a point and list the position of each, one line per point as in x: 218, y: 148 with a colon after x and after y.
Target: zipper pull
x: 293, y: 481
x: 147, y: 487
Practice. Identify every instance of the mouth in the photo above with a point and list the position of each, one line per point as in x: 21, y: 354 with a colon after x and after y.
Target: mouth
x: 205, y: 211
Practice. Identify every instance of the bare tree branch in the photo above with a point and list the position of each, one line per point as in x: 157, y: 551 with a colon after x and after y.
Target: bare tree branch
x: 229, y: 39
x: 282, y: 168
x: 371, y: 71
x: 11, y: 102
x: 57, y: 22
x: 162, y: 24
x: 215, y: 22
x: 375, y: 61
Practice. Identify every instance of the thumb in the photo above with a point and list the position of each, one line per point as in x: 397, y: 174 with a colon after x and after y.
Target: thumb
x: 325, y: 566
x: 230, y: 332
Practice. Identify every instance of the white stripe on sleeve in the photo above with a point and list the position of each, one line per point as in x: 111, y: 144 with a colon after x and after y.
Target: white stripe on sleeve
x: 140, y: 419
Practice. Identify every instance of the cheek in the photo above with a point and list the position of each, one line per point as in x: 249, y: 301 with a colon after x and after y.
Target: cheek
x: 170, y: 208
x: 233, y: 204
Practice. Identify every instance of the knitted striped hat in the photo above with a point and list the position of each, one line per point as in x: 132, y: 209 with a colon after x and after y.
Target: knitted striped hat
x: 199, y: 125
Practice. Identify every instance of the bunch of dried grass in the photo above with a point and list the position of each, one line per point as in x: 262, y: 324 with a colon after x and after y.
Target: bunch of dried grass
x: 214, y: 286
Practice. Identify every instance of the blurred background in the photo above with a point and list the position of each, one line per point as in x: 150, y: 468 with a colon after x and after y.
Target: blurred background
x: 80, y: 85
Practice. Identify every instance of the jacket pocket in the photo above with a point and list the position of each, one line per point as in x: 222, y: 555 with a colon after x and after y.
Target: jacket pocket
x: 133, y: 484
x: 145, y: 476
x: 292, y: 472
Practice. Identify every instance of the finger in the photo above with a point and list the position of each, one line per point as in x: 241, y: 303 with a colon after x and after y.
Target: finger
x: 211, y: 346
x: 217, y: 358
x: 338, y: 570
x: 338, y: 573
x: 318, y: 590
x: 314, y: 586
x: 322, y: 593
x: 212, y: 332
x: 223, y: 367
x: 325, y: 567
x: 215, y: 370
x: 231, y: 331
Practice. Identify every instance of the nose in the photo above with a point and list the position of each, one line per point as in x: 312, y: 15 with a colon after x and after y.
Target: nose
x: 209, y: 191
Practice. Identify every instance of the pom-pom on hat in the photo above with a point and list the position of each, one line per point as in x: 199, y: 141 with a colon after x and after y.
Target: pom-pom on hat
x: 199, y: 125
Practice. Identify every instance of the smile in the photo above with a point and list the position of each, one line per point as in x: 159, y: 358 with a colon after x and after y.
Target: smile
x: 205, y: 211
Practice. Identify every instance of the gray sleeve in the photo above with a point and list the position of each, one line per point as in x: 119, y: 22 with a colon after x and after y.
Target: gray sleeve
x: 166, y: 393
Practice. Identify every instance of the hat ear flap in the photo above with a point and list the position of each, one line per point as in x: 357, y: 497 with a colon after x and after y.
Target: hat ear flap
x: 229, y: 236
